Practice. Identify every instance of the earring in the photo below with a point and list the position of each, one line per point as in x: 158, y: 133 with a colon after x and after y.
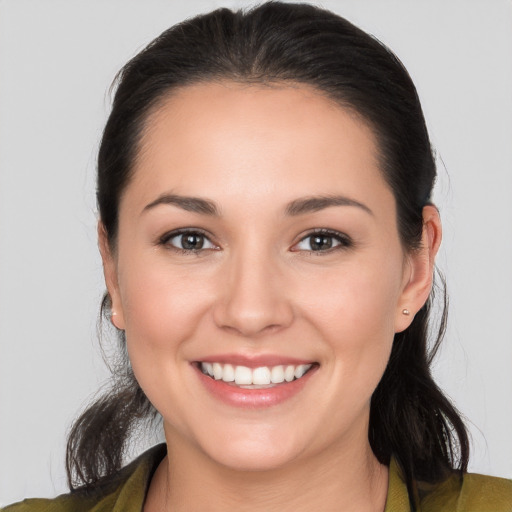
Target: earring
x: 112, y: 315
x: 406, y: 312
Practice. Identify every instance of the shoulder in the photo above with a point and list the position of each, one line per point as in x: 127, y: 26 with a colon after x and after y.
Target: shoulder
x: 63, y: 503
x: 469, y: 493
x: 125, y: 491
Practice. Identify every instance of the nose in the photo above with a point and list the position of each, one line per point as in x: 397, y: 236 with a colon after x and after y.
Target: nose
x: 252, y: 299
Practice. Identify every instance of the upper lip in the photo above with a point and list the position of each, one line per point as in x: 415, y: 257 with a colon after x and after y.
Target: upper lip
x: 254, y: 361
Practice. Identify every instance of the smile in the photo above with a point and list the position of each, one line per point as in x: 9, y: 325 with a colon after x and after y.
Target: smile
x: 254, y: 378
x: 259, y: 383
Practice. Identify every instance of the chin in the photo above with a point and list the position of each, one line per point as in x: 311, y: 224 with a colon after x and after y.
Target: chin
x: 254, y: 459
x: 260, y: 452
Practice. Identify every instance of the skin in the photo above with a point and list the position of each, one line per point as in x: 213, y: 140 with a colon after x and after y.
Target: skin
x: 258, y: 287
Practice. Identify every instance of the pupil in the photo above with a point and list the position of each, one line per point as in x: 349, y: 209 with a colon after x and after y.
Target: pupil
x: 321, y: 242
x: 192, y: 241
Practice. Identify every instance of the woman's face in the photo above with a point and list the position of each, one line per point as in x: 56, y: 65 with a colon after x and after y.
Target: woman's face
x: 257, y: 241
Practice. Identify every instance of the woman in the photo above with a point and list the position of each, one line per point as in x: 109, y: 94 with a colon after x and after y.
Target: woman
x: 268, y: 242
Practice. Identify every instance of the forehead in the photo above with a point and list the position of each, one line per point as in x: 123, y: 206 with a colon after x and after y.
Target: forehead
x: 236, y: 106
x: 254, y: 139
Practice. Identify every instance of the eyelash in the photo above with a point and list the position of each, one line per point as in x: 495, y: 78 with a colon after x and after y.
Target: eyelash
x: 165, y: 241
x: 344, y: 241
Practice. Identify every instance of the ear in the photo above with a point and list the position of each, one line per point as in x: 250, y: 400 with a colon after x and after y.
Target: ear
x: 110, y: 274
x: 419, y: 270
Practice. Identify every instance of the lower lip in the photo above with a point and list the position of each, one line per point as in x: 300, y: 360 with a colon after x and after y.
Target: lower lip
x: 254, y: 398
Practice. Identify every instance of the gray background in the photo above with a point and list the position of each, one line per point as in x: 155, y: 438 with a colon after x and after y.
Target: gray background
x: 57, y: 59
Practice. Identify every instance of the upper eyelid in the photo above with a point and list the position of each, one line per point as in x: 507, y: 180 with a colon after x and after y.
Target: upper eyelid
x: 182, y: 231
x: 327, y: 232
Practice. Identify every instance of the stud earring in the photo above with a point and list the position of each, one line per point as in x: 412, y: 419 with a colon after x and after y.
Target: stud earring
x: 406, y: 312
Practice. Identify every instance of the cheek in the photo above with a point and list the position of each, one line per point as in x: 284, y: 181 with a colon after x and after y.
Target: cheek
x: 164, y: 307
x: 354, y: 312
x: 359, y: 298
x: 162, y: 304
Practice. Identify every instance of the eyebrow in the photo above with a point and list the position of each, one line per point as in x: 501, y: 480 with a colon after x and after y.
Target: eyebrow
x: 297, y: 207
x: 316, y: 203
x: 190, y: 204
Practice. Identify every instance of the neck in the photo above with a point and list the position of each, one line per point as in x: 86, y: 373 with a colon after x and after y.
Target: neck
x: 352, y: 480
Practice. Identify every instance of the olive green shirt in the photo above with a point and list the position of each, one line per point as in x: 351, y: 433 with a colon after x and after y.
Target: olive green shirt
x: 475, y: 493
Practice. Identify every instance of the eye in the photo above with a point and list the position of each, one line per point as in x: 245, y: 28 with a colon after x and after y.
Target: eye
x: 323, y: 241
x: 187, y: 241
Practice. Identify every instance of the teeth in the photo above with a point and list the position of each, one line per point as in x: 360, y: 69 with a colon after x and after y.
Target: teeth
x: 228, y: 373
x: 217, y: 371
x: 289, y: 373
x: 208, y: 368
x: 277, y: 374
x: 261, y: 376
x: 301, y: 370
x: 243, y: 375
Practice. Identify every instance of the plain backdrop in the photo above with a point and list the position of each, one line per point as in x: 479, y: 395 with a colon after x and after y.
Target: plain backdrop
x: 57, y: 60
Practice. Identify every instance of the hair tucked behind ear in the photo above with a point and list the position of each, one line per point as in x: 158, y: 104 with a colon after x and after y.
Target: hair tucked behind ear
x: 410, y: 418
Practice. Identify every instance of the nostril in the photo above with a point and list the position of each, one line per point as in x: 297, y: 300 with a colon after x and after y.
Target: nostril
x: 252, y: 318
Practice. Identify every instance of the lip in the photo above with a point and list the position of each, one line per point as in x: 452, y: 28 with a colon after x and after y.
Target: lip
x: 253, y: 398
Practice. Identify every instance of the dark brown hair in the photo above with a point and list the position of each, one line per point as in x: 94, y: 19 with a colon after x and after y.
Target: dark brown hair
x: 410, y: 418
